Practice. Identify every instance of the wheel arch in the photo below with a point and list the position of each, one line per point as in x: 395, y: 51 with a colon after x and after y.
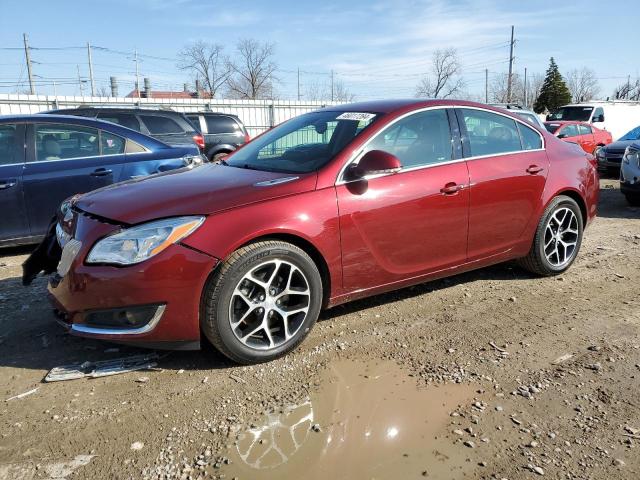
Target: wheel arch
x: 577, y: 197
x: 220, y: 148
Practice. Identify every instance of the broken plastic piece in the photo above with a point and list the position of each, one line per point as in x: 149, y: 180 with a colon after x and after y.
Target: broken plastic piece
x: 102, y: 368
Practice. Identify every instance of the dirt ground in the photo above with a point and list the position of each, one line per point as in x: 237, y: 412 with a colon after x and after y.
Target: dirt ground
x: 490, y: 374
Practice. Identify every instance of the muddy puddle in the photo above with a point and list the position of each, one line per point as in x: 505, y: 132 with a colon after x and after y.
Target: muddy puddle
x: 365, y: 422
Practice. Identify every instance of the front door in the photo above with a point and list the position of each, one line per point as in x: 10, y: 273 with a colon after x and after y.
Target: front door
x: 507, y: 172
x: 65, y: 160
x: 14, y: 224
x: 411, y: 223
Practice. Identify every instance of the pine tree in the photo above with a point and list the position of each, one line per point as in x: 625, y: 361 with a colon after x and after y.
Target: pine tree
x: 554, y: 92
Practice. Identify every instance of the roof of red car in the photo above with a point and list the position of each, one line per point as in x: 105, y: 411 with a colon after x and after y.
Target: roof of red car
x: 387, y: 106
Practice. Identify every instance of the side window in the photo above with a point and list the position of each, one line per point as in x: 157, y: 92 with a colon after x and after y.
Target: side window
x: 490, y: 133
x: 531, y: 140
x: 159, y: 125
x: 419, y: 139
x: 598, y: 113
x: 125, y: 119
x: 221, y: 124
x: 309, y: 140
x: 60, y: 142
x: 9, y: 141
x: 195, y: 120
x: 111, y: 144
x: 569, y: 131
x: 584, y: 130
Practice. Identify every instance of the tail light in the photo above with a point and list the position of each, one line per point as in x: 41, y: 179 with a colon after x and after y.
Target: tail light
x: 199, y: 140
x: 247, y: 138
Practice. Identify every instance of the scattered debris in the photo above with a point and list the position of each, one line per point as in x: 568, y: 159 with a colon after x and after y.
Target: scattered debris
x: 237, y: 378
x: 495, y: 347
x: 142, y: 380
x: 102, y: 368
x: 137, y: 446
x: 562, y: 358
x: 22, y: 395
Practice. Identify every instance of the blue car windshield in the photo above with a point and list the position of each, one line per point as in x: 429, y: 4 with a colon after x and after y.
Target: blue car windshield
x: 632, y: 135
x: 302, y: 144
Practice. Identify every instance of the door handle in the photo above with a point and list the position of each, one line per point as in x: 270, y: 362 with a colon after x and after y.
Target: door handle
x: 101, y: 172
x: 451, y: 188
x: 534, y: 169
x: 4, y: 184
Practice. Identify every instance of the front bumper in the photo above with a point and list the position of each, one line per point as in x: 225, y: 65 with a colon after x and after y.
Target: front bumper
x: 172, y: 282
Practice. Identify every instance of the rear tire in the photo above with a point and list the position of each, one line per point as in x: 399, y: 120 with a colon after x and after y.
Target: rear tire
x: 557, y: 240
x: 218, y: 157
x: 262, y: 302
x: 633, y: 200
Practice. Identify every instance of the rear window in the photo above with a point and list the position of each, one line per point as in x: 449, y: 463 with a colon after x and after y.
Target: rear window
x: 158, y: 125
x: 125, y: 119
x: 221, y: 124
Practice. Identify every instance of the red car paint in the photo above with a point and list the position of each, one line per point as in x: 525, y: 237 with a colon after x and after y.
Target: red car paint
x: 584, y: 134
x: 391, y: 231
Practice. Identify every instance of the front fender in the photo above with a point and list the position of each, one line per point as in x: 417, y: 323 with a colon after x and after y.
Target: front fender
x: 311, y: 216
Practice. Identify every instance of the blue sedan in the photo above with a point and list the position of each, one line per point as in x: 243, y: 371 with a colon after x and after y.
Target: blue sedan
x: 45, y: 159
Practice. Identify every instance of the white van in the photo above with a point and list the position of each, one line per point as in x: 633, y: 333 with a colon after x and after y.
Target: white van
x: 617, y: 117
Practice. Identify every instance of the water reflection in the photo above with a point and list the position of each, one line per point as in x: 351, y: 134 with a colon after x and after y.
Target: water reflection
x: 366, y: 421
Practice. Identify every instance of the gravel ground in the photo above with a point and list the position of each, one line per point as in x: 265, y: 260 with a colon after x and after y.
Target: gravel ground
x: 550, y: 369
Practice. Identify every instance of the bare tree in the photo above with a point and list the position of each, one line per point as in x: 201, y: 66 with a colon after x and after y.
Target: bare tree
x: 252, y: 72
x: 445, y: 79
x: 341, y: 93
x: 498, y: 88
x: 582, y: 84
x: 628, y: 90
x: 103, y: 92
x: 207, y: 63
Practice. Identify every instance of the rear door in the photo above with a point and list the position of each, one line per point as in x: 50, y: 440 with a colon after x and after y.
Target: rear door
x: 507, y: 172
x: 64, y: 160
x: 14, y: 223
x: 587, y: 140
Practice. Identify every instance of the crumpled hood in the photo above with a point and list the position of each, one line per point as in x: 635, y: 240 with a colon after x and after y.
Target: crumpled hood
x: 202, y: 190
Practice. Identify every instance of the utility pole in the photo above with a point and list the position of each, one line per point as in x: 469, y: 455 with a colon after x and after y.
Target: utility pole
x: 27, y: 55
x: 510, y: 78
x: 93, y: 85
x: 298, y: 83
x: 526, y: 97
x: 486, y: 85
x: 80, y: 81
x: 332, y: 85
x: 137, y: 73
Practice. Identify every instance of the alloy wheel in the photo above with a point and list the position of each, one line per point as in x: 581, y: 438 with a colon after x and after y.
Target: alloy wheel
x: 561, y: 237
x: 269, y: 304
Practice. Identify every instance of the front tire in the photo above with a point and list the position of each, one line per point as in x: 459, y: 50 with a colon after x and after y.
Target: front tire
x: 262, y: 302
x: 557, y: 240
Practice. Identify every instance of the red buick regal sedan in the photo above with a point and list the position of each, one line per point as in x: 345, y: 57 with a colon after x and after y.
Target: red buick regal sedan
x: 342, y: 203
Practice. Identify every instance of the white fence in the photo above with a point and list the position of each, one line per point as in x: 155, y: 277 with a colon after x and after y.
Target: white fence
x: 257, y: 115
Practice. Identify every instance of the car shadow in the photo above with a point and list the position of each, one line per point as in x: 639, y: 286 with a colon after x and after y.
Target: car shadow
x: 613, y: 204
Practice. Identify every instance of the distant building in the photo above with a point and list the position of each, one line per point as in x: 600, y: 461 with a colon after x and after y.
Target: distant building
x: 147, y: 92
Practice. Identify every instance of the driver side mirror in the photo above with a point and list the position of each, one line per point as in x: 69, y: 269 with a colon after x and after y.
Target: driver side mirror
x: 562, y: 135
x: 599, y: 118
x: 374, y: 162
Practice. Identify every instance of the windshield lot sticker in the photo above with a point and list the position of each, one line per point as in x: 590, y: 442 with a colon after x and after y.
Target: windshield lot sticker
x: 355, y: 116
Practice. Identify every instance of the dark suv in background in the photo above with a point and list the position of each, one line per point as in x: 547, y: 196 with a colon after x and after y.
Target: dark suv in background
x: 223, y: 133
x: 168, y: 126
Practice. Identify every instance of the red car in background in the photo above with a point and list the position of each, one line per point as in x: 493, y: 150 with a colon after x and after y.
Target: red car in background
x: 585, y: 135
x: 334, y: 205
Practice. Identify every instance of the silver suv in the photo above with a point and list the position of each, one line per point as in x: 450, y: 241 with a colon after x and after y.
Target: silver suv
x: 630, y: 174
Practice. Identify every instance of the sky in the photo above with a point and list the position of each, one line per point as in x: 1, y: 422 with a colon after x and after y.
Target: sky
x: 376, y: 48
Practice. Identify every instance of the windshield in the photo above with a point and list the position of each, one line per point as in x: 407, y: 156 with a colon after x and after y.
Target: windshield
x: 302, y: 144
x: 632, y: 135
x: 578, y: 114
x: 552, y: 127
